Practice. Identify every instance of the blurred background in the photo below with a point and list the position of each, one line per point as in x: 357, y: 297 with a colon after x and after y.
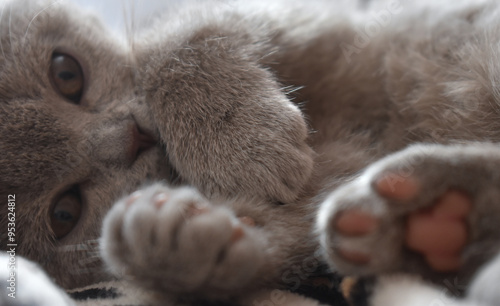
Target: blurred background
x: 115, y: 12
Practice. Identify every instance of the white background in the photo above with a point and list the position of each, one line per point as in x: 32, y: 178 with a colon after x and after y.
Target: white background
x: 113, y: 12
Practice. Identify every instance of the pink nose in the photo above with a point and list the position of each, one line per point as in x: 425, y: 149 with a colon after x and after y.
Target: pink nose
x: 141, y: 142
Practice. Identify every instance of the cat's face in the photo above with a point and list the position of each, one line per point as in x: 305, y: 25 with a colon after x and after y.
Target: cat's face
x: 76, y: 133
x: 72, y: 133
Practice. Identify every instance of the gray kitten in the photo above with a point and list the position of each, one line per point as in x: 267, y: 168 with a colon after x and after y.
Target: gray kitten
x: 208, y: 98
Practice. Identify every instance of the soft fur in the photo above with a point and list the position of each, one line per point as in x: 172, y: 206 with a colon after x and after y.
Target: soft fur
x: 219, y: 85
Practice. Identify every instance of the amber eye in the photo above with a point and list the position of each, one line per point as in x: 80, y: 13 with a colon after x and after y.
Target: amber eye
x: 67, y: 76
x: 66, y: 213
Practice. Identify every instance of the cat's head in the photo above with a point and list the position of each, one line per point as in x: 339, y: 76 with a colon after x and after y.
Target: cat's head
x: 73, y: 131
x: 76, y: 133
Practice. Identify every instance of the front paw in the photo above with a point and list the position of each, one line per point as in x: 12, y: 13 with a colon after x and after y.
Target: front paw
x: 174, y: 240
x: 427, y: 209
x: 228, y: 126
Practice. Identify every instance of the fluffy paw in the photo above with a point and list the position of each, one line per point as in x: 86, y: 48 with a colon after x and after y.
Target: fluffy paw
x: 228, y: 127
x: 426, y: 208
x: 175, y: 240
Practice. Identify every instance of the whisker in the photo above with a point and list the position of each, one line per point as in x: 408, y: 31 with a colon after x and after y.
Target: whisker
x: 88, y: 246
x: 10, y: 39
x: 37, y: 14
x: 291, y: 89
x: 1, y: 44
x: 129, y: 21
x: 131, y: 100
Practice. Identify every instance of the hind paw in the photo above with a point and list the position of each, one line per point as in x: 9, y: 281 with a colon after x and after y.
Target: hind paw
x: 424, y: 218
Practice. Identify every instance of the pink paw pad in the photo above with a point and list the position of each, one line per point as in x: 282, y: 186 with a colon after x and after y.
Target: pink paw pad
x: 438, y: 233
x: 441, y: 233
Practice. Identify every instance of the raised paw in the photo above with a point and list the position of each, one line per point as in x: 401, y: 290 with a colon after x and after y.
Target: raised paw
x: 175, y: 240
x: 254, y: 140
x: 441, y: 232
x: 438, y: 233
x: 425, y: 219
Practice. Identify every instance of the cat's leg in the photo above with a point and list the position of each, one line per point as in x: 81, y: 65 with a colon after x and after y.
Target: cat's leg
x: 175, y: 242
x: 430, y: 209
x: 227, y: 124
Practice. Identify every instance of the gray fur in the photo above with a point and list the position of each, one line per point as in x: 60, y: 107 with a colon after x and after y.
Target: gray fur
x: 470, y: 168
x: 220, y: 87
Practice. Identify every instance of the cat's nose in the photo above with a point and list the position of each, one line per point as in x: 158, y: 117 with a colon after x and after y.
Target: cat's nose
x: 141, y: 142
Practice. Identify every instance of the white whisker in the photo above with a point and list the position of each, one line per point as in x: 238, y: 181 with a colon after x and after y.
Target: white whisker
x: 1, y: 44
x: 130, y: 101
x: 37, y: 14
x: 10, y: 39
x: 129, y: 21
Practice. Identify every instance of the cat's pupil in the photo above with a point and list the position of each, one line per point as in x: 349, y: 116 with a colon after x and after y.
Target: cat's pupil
x: 66, y: 212
x: 63, y: 216
x: 66, y: 75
